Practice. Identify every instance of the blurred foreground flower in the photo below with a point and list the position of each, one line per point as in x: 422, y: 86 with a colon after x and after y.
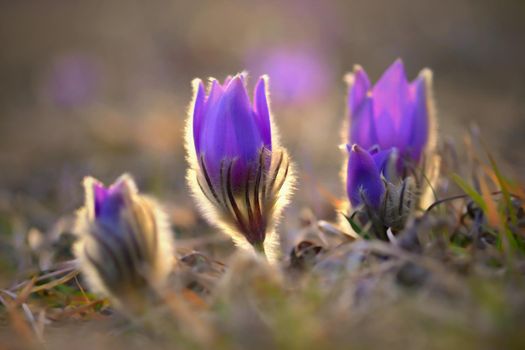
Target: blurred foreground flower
x: 239, y: 175
x: 393, y: 132
x: 125, y: 247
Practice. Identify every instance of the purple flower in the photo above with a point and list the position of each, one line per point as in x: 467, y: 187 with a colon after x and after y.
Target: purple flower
x: 393, y: 114
x: 238, y: 173
x: 229, y: 129
x: 125, y: 245
x: 298, y: 74
x: 74, y: 80
x: 364, y: 183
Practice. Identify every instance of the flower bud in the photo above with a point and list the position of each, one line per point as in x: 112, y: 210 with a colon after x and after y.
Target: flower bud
x: 373, y: 197
x: 125, y: 247
x: 239, y: 175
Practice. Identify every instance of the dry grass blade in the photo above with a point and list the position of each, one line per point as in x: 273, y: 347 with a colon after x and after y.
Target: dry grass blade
x: 69, y: 266
x: 55, y: 283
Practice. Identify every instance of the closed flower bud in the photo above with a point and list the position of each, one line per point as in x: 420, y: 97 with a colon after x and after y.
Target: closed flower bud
x: 364, y: 183
x: 125, y: 246
x: 375, y: 199
x: 239, y: 175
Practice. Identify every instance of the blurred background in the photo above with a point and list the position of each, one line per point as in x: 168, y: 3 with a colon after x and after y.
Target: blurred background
x: 102, y: 87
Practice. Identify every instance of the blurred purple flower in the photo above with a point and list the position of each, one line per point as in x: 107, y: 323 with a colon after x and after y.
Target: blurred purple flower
x: 227, y: 127
x: 125, y: 245
x: 297, y: 75
x: 364, y: 181
x: 391, y: 115
x: 73, y: 81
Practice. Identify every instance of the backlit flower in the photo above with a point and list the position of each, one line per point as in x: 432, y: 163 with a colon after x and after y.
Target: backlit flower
x: 238, y: 173
x: 125, y: 246
x: 392, y: 164
x: 392, y: 114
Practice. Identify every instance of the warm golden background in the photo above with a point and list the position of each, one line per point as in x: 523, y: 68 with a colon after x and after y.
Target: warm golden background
x: 102, y: 87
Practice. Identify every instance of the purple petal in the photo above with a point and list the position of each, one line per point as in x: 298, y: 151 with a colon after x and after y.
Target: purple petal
x: 391, y: 95
x: 198, y: 109
x: 362, y: 125
x: 358, y: 88
x: 386, y: 131
x: 420, y: 124
x: 230, y: 132
x: 383, y: 160
x: 363, y: 177
x: 99, y: 196
x: 215, y: 93
x: 262, y: 112
x: 108, y: 202
x: 247, y: 139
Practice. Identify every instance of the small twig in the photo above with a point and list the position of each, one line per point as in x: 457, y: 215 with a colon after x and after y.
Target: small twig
x: 56, y: 282
x: 81, y: 290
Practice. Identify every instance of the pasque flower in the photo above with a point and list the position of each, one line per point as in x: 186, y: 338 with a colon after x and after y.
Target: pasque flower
x: 393, y: 114
x: 239, y: 175
x: 125, y: 246
x: 392, y: 132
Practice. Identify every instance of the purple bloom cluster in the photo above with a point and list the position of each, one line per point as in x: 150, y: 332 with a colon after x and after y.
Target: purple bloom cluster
x: 389, y: 128
x: 242, y: 179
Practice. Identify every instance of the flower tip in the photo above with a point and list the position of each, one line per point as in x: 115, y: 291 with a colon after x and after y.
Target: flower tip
x: 398, y: 64
x: 396, y: 69
x: 262, y: 81
x: 197, y: 85
x: 399, y: 61
x: 125, y: 184
x: 235, y: 83
x: 357, y: 68
x: 214, y: 86
x: 349, y: 78
x: 239, y: 78
x: 89, y: 183
x: 426, y: 74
